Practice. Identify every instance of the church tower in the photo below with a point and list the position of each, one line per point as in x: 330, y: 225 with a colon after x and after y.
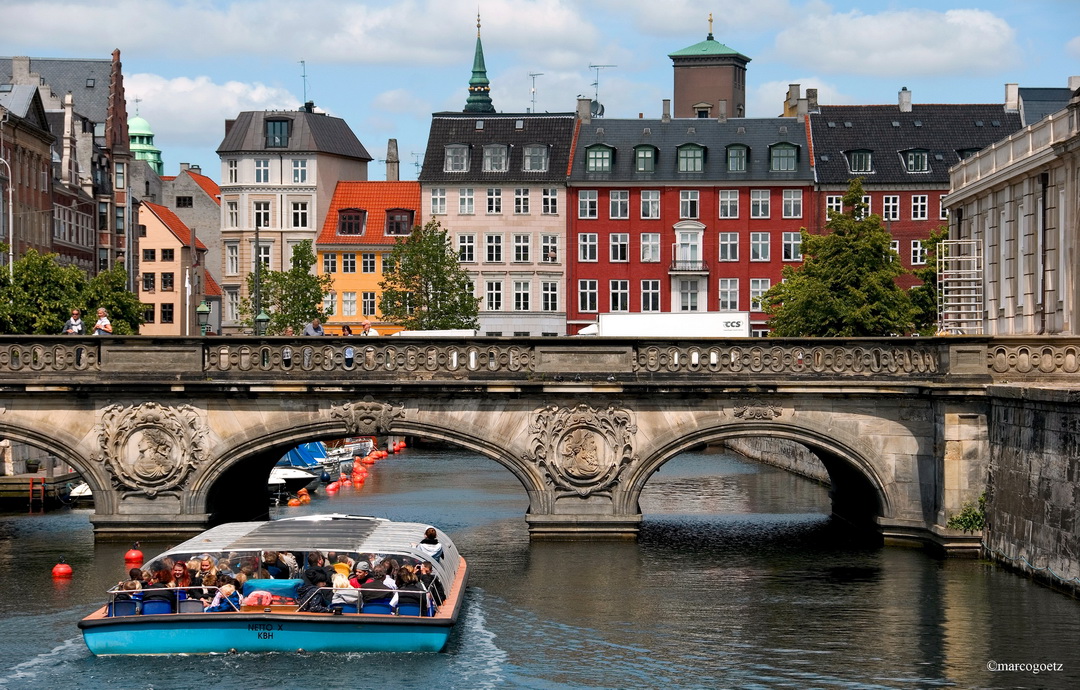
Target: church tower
x: 142, y: 142
x: 479, y: 100
x: 710, y: 80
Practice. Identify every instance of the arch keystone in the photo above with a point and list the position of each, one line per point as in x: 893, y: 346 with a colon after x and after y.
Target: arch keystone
x: 367, y: 418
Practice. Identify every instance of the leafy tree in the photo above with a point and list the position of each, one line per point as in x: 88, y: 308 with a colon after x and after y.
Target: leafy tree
x: 926, y: 297
x: 424, y: 287
x: 290, y: 298
x: 846, y: 286
x: 108, y: 289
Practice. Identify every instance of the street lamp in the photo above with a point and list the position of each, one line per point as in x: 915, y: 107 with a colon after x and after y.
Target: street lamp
x: 202, y: 312
x: 260, y: 323
x: 11, y: 220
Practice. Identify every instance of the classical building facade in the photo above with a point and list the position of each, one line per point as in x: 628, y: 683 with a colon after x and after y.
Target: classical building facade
x: 26, y: 173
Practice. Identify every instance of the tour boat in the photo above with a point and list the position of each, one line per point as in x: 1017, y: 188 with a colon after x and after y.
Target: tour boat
x: 269, y: 617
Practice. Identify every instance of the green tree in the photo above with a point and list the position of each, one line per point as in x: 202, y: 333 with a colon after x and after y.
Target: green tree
x: 846, y: 286
x: 926, y: 296
x: 290, y: 298
x: 108, y: 289
x: 424, y: 287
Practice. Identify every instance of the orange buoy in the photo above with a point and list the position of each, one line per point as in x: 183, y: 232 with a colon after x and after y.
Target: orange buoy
x: 333, y: 486
x: 305, y: 499
x: 61, y: 570
x: 134, y: 557
x: 302, y: 492
x: 346, y: 482
x: 403, y: 445
x: 293, y: 502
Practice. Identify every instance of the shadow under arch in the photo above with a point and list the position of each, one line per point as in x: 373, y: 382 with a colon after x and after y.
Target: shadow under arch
x: 858, y: 493
x: 63, y: 446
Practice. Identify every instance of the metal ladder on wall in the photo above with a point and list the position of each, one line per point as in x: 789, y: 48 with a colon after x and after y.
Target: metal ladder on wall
x: 39, y: 498
x: 962, y: 309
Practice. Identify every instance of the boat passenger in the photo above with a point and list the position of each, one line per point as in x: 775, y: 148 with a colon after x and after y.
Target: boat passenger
x: 344, y: 593
x: 431, y: 582
x: 227, y: 599
x: 206, y: 566
x: 380, y: 588
x: 430, y: 544
x: 313, y: 597
x: 410, y: 591
x: 274, y: 566
x: 180, y: 575
x: 361, y: 574
x: 161, y: 588
x: 317, y: 562
x: 207, y: 588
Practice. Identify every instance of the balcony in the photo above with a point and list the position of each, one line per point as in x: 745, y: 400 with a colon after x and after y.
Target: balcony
x: 689, y: 266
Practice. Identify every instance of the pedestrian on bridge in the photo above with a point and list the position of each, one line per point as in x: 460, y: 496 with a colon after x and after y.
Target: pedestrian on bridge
x: 74, y: 325
x: 103, y: 325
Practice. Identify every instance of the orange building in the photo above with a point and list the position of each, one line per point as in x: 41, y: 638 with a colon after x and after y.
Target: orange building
x: 171, y: 278
x: 364, y: 221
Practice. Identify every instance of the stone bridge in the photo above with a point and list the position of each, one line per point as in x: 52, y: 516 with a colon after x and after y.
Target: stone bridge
x: 173, y: 434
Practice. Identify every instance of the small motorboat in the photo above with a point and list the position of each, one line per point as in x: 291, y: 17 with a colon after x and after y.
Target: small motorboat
x: 289, y: 480
x: 311, y: 457
x: 81, y: 493
x: 340, y: 452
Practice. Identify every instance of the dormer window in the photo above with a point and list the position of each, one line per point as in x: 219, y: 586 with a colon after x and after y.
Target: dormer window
x: 917, y: 161
x: 399, y: 221
x: 457, y: 158
x: 277, y: 133
x: 598, y: 159
x: 495, y: 158
x: 736, y: 158
x: 783, y: 158
x: 691, y: 158
x: 860, y: 161
x: 351, y: 221
x: 536, y: 158
x: 645, y: 159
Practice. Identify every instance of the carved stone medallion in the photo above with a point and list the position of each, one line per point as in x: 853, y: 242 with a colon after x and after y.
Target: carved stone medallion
x: 582, y: 449
x: 367, y: 418
x: 756, y: 409
x: 149, y: 448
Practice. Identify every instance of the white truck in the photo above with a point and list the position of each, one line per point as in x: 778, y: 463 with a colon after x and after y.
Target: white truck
x: 712, y: 324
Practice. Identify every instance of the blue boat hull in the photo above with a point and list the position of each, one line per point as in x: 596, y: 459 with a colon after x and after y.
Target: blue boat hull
x: 210, y: 633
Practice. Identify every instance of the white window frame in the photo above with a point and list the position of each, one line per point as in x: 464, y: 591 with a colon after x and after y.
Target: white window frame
x: 760, y: 246
x: 920, y: 206
x: 729, y: 203
x: 535, y: 158
x: 689, y: 204
x: 890, y: 207
x: 619, y: 247
x: 619, y: 295
x: 759, y: 203
x: 550, y: 202
x: 793, y: 203
x: 522, y: 295
x: 493, y: 248
x: 549, y: 249
x: 438, y: 201
x: 758, y: 288
x: 521, y: 201
x: 651, y: 297
x: 587, y: 247
x: 494, y: 201
x: 918, y: 253
x: 728, y: 294
x: 299, y: 171
x: 496, y: 158
x: 650, y: 204
x: 619, y: 204
x: 493, y: 297
x: 834, y: 203
x: 549, y: 295
x: 650, y: 247
x: 456, y: 158
x: 792, y: 246
x: 729, y: 246
x: 588, y: 204
x: 232, y: 258
x: 522, y: 248
x: 588, y: 295
x: 466, y: 246
x: 466, y: 201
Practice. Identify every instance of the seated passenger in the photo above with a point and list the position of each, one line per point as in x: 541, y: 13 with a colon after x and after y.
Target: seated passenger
x: 410, y: 591
x: 431, y: 583
x: 344, y: 593
x: 361, y: 575
x: 313, y: 595
x: 161, y: 588
x: 317, y: 563
x: 181, y: 577
x: 226, y: 599
x: 272, y: 563
x: 207, y: 589
x: 430, y: 544
x: 380, y: 588
x: 206, y: 566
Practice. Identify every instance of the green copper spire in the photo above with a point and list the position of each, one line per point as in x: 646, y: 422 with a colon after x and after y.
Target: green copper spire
x: 479, y: 100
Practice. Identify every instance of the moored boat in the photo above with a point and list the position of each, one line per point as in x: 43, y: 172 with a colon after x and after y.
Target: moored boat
x: 273, y: 615
x: 340, y: 452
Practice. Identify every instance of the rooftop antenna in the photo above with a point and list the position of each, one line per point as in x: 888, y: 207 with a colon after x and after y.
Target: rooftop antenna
x: 534, y: 75
x: 416, y: 162
x: 303, y: 75
x: 596, y: 84
x: 137, y: 102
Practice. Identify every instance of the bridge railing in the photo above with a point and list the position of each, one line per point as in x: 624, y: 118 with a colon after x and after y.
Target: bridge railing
x: 146, y: 359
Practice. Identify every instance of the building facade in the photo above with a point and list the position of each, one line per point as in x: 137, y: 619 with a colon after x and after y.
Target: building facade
x: 26, y: 172
x: 710, y: 80
x: 171, y: 281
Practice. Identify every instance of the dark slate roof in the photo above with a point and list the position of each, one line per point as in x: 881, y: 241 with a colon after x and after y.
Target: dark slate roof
x: 1035, y: 104
x: 942, y: 130
x: 62, y: 75
x: 25, y: 103
x: 757, y: 134
x: 308, y: 133
x: 555, y: 130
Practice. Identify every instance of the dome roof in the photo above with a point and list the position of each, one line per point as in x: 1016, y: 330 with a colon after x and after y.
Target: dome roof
x: 139, y: 126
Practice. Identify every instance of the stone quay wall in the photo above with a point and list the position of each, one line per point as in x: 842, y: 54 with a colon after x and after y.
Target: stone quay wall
x: 780, y: 452
x: 1033, y: 497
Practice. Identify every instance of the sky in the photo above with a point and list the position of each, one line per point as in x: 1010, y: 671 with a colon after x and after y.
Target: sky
x: 385, y: 65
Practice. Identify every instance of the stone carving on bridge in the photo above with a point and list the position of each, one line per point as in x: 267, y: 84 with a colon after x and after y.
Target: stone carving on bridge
x: 757, y: 409
x: 151, y: 449
x: 367, y: 418
x: 582, y: 450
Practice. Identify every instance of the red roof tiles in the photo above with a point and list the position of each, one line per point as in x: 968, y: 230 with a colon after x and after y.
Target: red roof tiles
x: 174, y: 224
x: 375, y: 198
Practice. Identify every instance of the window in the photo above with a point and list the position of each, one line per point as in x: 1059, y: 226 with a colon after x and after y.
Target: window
x: 688, y: 294
x: 299, y: 171
x: 522, y: 248
x: 149, y: 255
x: 168, y: 281
x: 329, y: 262
x: 549, y: 296
x: 782, y: 158
x: 792, y: 246
x: 232, y: 213
x: 494, y: 295
x: 493, y: 245
x: 650, y: 204
x: 650, y: 295
x: 890, y: 207
x: 536, y: 159
x: 367, y: 303
x: 729, y: 203
x: 456, y: 158
x: 918, y: 253
x: 834, y: 205
x: 587, y: 203
x: 277, y: 133
x: 759, y: 203
x: 261, y: 213
x: 119, y: 175
x: 917, y: 161
x: 521, y: 201
x: 729, y: 246
x: 598, y: 159
x: 759, y: 246
x: 232, y: 171
x: 148, y: 281
x: 619, y: 295
x: 168, y: 255
x: 494, y: 200
x: 758, y: 288
x: 943, y: 212
x: 367, y: 262
x: 587, y: 246
x: 148, y: 314
x: 465, y: 201
x: 167, y: 313
x: 894, y: 247
x: 262, y: 255
x: 300, y: 214
x: 549, y: 249
x: 860, y: 161
x: 399, y: 222
x: 587, y: 295
x: 645, y: 159
x: 867, y: 207
x: 262, y: 170
x: 736, y: 159
x: 351, y: 221
x: 232, y: 304
x: 522, y: 290
x: 232, y: 258
x: 919, y: 207
x: 120, y: 220
x: 438, y: 201
x: 691, y: 158
x: 550, y: 202
x: 495, y: 158
x: 348, y: 262
x: 466, y: 248
x: 184, y: 202
x: 650, y: 247
x: 619, y: 204
x: 729, y: 294
x: 348, y: 304
x: 619, y: 245
x: 792, y: 203
x: 688, y: 203
x: 329, y: 302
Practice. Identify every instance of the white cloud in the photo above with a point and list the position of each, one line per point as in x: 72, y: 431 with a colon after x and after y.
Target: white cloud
x: 689, y: 18
x: 1073, y: 48
x: 901, y: 43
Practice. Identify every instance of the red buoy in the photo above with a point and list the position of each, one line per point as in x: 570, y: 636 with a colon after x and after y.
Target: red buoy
x: 293, y: 502
x: 133, y: 558
x: 61, y: 570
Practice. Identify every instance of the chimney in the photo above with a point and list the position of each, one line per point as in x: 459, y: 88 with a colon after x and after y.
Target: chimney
x: 792, y: 97
x: 584, y: 109
x: 1012, y: 97
x: 811, y: 101
x: 309, y: 107
x: 721, y: 113
x: 393, y: 163
x: 905, y: 100
x: 197, y: 169
x: 228, y: 126
x: 666, y: 117
x: 67, y: 166
x: 1074, y: 83
x: 184, y: 166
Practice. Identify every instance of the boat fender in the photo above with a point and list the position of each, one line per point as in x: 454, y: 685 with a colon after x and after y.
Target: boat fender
x: 61, y: 570
x: 324, y: 477
x: 293, y: 502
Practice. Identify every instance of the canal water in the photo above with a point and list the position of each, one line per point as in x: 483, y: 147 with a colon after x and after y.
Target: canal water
x: 739, y: 580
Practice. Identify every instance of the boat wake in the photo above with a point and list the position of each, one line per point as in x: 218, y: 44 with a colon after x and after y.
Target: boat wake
x: 29, y: 670
x: 484, y: 665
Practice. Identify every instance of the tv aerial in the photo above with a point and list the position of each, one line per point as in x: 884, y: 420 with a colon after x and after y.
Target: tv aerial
x: 596, y: 108
x: 532, y: 91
